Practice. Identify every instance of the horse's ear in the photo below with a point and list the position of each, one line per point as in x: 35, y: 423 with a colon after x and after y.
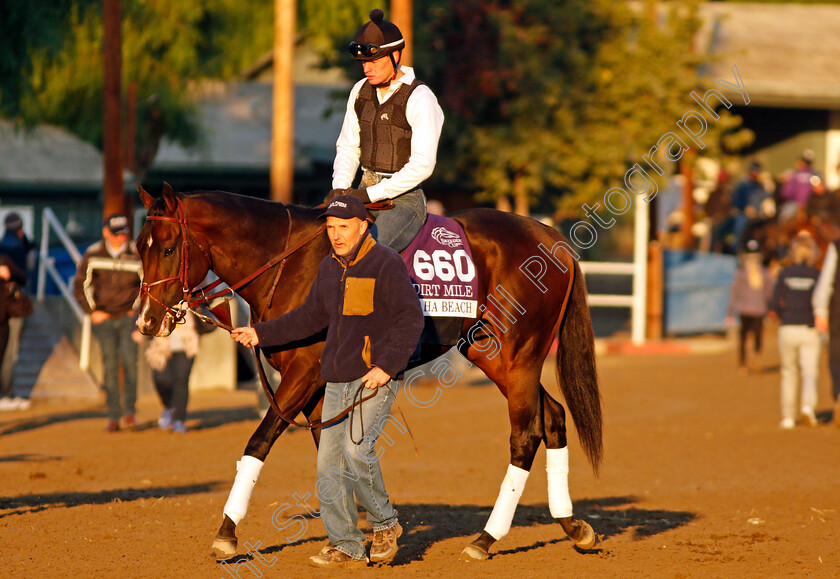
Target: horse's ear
x: 145, y: 197
x: 169, y: 197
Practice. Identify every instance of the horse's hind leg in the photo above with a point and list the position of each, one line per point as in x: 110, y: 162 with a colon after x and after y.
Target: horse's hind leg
x: 557, y: 471
x: 525, y: 438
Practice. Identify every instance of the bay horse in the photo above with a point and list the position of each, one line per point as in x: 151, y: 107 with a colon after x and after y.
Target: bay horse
x: 530, y: 290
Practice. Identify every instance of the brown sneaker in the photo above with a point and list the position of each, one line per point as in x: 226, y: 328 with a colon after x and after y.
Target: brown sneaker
x: 130, y: 422
x: 113, y: 426
x: 335, y: 559
x: 384, y: 547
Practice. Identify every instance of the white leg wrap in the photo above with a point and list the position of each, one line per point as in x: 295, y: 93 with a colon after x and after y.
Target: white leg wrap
x: 557, y: 469
x: 247, y: 472
x: 500, y: 519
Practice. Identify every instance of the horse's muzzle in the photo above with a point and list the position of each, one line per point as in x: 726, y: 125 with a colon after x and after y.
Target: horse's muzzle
x: 149, y: 326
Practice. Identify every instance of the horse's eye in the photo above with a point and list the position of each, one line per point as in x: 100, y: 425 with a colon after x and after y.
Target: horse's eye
x: 169, y: 251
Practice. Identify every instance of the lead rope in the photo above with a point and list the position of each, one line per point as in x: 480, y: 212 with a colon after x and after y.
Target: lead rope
x: 362, y: 420
x: 269, y: 393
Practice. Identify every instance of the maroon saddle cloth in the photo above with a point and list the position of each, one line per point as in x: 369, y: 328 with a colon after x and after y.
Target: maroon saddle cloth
x: 441, y: 267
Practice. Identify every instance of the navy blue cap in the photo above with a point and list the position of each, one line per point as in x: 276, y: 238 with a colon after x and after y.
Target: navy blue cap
x: 345, y: 207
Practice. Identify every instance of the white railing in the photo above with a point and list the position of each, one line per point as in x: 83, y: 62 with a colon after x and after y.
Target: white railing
x: 46, y: 266
x: 637, y: 301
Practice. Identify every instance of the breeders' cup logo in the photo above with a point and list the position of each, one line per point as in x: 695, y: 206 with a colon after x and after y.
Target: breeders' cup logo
x: 445, y: 237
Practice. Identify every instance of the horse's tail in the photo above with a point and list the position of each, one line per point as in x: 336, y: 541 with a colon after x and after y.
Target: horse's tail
x: 576, y: 372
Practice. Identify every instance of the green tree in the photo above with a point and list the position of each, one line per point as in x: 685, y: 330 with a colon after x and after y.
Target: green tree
x: 557, y: 100
x: 51, y: 58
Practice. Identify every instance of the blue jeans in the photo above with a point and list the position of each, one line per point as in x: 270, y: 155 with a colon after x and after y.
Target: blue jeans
x: 115, y: 341
x: 347, y: 469
x: 397, y: 227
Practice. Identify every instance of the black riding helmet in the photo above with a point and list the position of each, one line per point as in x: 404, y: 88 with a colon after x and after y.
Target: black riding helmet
x: 377, y: 39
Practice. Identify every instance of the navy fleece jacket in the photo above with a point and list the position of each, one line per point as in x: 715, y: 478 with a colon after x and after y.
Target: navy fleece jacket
x: 369, y: 307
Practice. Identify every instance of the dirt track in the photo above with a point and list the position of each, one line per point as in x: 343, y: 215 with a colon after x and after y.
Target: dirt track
x: 698, y: 482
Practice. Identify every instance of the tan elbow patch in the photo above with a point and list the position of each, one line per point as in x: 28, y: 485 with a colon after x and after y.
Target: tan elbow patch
x: 358, y: 296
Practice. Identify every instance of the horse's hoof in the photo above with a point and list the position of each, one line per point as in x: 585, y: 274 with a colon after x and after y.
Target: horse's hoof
x: 224, y: 548
x: 586, y: 538
x: 474, y: 553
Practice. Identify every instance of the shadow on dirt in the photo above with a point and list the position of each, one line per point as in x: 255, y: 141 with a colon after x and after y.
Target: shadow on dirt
x: 427, y: 524
x: 26, y: 424
x: 209, y: 418
x: 256, y: 555
x: 196, y: 420
x: 29, y: 458
x: 34, y: 503
x: 212, y: 418
x: 609, y: 516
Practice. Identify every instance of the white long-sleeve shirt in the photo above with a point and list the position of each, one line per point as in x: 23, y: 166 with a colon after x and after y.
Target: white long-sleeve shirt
x: 426, y: 119
x: 825, y: 283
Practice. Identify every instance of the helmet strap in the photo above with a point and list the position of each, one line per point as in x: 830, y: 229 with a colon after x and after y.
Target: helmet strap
x: 396, y: 64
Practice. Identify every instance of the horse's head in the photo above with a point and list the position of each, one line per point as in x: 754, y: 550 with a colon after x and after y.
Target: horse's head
x: 174, y: 262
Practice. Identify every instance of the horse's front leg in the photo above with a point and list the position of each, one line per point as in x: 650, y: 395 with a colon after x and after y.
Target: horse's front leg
x: 247, y: 472
x: 248, y: 469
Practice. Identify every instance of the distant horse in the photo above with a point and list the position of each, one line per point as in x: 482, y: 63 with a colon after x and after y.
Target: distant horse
x: 530, y: 290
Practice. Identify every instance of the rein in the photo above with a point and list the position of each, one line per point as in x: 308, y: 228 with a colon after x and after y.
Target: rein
x: 194, y: 297
x: 308, y: 425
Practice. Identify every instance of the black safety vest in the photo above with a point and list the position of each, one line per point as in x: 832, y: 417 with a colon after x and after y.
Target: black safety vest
x: 385, y: 135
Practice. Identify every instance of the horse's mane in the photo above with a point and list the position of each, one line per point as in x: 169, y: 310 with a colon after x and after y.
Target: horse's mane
x: 234, y: 204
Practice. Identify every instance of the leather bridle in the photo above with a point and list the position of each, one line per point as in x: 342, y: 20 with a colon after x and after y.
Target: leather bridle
x: 180, y: 309
x: 193, y: 297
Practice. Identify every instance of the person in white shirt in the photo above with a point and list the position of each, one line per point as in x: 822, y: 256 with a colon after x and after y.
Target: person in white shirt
x: 391, y: 129
x: 826, y: 302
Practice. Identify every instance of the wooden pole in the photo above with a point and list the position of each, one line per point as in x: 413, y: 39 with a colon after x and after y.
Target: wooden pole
x: 401, y: 15
x: 283, y: 102
x: 521, y: 203
x: 130, y: 143
x: 688, y: 202
x: 113, y: 191
x: 655, y: 285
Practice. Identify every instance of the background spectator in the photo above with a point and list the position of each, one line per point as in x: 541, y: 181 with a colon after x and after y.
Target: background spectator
x: 747, y: 200
x: 823, y: 205
x: 797, y: 188
x: 171, y: 360
x: 17, y: 246
x: 827, y: 318
x: 799, y: 341
x: 110, y: 297
x: 751, y: 291
x: 9, y: 273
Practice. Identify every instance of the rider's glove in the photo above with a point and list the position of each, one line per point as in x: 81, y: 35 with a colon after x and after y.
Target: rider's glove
x: 360, y: 193
x: 332, y: 195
